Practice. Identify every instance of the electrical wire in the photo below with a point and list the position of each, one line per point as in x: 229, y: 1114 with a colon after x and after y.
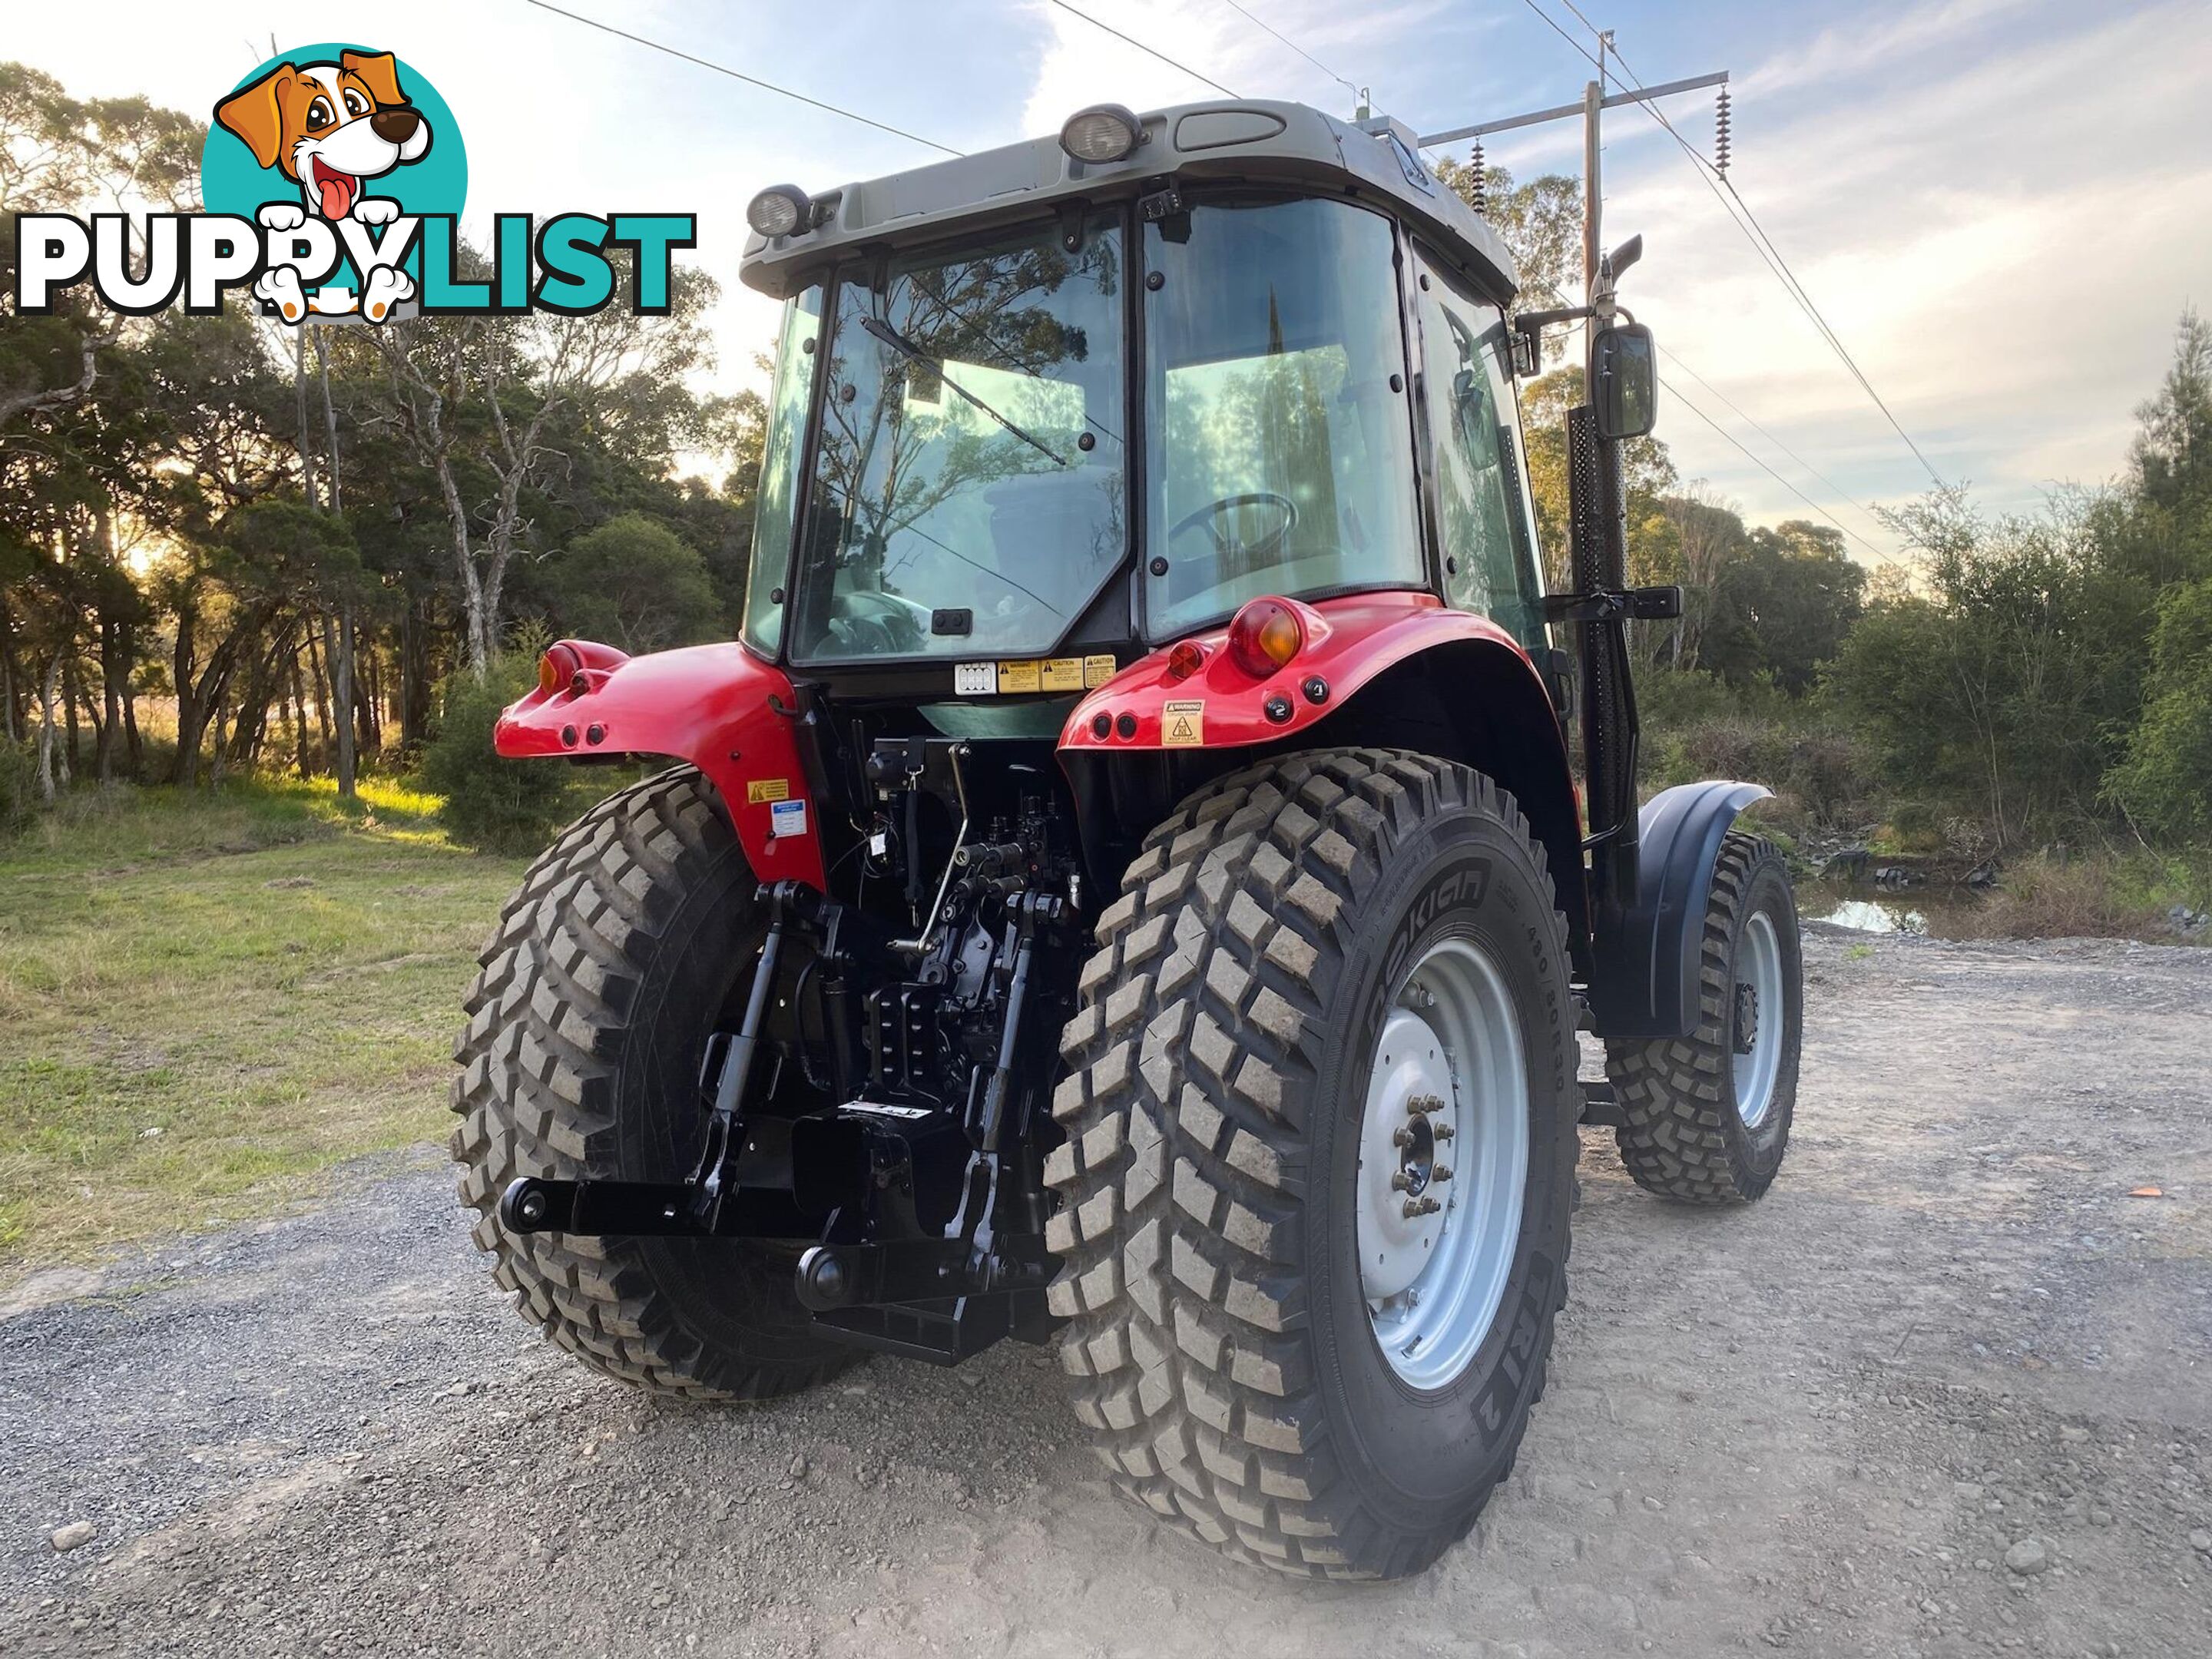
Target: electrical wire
x: 1132, y: 40
x: 1738, y: 212
x: 1261, y: 23
x: 1762, y: 243
x: 750, y: 80
x: 1676, y: 392
x: 1823, y: 477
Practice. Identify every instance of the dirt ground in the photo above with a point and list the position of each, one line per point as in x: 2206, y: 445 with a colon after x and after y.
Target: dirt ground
x: 1948, y: 1388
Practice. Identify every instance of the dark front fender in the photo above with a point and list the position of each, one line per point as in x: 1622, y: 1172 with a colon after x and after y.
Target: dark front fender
x: 1645, y: 979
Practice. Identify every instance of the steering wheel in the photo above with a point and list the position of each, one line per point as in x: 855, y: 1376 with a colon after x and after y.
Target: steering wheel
x: 1212, y: 517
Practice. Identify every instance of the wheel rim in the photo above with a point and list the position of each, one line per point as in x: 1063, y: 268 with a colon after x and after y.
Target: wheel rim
x: 1757, y: 1018
x: 1443, y: 1160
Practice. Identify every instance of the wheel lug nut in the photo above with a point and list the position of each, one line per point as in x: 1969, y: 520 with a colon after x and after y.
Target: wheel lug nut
x: 1442, y: 1131
x: 1401, y: 1136
x: 1401, y: 1183
x: 1420, y: 1206
x: 1441, y: 1172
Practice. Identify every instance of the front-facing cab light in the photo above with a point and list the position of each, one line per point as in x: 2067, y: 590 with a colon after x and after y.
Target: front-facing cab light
x: 1104, y: 132
x: 1265, y: 636
x: 779, y: 210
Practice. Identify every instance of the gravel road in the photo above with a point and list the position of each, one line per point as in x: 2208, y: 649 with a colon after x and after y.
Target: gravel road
x: 1948, y: 1389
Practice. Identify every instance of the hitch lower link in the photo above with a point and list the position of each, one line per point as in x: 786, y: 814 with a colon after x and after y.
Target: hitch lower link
x: 709, y: 1203
x: 878, y: 1269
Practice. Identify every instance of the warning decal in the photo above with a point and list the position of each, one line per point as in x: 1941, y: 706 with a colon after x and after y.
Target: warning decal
x: 1017, y: 677
x: 1182, y: 724
x: 1096, y: 670
x: 1063, y: 674
x: 787, y: 817
x: 764, y: 789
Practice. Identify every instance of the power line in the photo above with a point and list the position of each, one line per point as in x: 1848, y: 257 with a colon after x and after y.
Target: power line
x: 1131, y: 41
x: 1764, y: 244
x: 1762, y: 466
x: 750, y: 81
x: 1738, y: 212
x: 1262, y: 23
x: 1823, y: 477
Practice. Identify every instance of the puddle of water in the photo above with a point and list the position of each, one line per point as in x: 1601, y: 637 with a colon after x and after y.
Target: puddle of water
x: 1866, y: 916
x: 1868, y: 909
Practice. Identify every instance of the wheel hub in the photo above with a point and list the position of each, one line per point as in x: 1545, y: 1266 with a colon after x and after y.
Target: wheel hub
x: 1410, y: 1108
x: 1759, y: 1007
x: 1443, y: 1157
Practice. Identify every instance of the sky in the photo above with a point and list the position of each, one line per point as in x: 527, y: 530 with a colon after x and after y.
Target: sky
x: 2001, y: 207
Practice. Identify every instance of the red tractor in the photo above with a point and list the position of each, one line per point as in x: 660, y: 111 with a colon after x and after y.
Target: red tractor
x: 1126, y: 888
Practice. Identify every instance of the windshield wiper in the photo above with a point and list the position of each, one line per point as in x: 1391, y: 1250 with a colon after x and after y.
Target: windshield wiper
x: 907, y: 349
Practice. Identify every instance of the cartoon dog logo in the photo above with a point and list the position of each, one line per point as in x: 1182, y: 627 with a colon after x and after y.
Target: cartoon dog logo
x: 330, y: 128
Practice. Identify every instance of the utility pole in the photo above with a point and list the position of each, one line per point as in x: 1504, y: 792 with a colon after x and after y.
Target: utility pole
x: 1593, y: 197
x: 1590, y: 107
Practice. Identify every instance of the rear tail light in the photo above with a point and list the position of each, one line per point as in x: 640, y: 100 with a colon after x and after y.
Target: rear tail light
x: 1265, y: 636
x: 558, y: 668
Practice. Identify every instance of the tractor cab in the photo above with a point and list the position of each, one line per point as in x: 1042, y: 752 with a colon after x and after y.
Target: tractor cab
x: 1207, y: 355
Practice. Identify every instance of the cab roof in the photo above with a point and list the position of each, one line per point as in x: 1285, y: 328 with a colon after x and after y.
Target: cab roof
x: 1229, y: 140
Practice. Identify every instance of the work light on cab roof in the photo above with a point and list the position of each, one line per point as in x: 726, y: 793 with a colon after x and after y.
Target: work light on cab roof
x: 1101, y: 133
x: 779, y: 210
x: 1127, y: 886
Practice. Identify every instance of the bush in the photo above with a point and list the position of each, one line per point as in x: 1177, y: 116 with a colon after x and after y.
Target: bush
x: 1696, y: 727
x: 500, y: 805
x: 19, y: 787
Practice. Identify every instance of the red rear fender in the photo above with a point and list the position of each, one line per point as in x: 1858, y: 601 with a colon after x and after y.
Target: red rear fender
x: 706, y: 704
x: 1223, y: 705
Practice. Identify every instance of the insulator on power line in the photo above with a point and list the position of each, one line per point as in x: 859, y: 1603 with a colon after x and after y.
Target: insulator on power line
x: 1721, y: 133
x: 1481, y: 203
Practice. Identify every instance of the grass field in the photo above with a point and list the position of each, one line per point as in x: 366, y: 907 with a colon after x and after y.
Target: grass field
x: 206, y: 1000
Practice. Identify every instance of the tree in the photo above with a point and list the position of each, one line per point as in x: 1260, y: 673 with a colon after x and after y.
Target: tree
x: 636, y: 584
x: 2003, y: 688
x: 1780, y: 606
x: 2164, y: 783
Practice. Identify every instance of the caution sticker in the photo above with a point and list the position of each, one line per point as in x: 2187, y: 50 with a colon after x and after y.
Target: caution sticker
x: 1018, y: 677
x: 1063, y: 674
x: 1182, y: 724
x: 766, y: 789
x: 787, y: 817
x: 976, y: 679
x: 1096, y: 670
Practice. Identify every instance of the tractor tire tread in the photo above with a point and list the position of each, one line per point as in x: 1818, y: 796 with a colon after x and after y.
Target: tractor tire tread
x: 1675, y: 1143
x: 547, y: 1017
x: 1182, y: 1178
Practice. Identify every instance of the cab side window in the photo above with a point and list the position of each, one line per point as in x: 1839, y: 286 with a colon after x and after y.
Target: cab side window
x: 1490, y: 565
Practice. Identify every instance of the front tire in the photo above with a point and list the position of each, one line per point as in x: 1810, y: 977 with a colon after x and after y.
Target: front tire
x: 1231, y: 1041
x: 610, y: 968
x: 1707, y: 1115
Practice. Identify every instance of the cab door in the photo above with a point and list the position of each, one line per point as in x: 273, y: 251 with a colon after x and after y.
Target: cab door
x: 1483, y: 516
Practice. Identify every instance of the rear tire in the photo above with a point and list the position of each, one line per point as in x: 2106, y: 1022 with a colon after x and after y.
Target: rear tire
x: 1707, y: 1122
x: 587, y: 1027
x: 1226, y: 1353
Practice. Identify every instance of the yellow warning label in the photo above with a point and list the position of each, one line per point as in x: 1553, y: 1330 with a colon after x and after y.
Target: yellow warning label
x: 1063, y: 674
x: 1017, y: 677
x: 1182, y: 724
x: 762, y: 789
x: 1096, y: 670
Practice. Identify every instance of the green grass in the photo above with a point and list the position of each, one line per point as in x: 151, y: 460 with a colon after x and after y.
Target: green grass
x: 269, y: 977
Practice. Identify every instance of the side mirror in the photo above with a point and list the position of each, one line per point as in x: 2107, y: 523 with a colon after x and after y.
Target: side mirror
x: 1624, y: 380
